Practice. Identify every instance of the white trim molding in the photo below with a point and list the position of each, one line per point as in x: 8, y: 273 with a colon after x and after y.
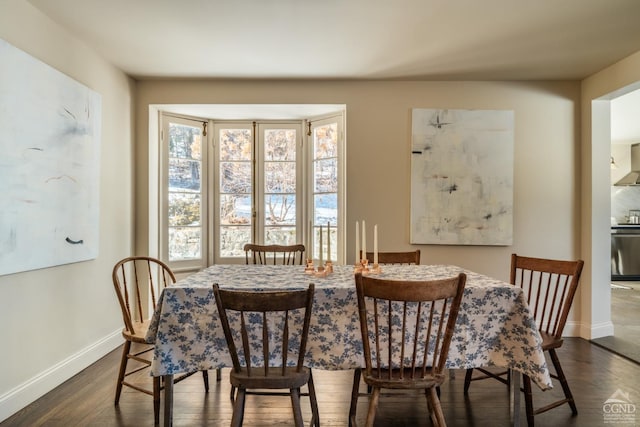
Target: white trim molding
x: 31, y: 390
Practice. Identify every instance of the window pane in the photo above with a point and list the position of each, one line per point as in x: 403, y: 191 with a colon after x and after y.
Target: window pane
x: 280, y: 144
x: 325, y: 209
x: 235, y: 209
x: 325, y: 174
x: 185, y: 141
x: 235, y: 177
x: 325, y: 140
x: 184, y: 204
x: 184, y: 175
x: 280, y: 209
x: 280, y: 236
x: 184, y: 209
x: 233, y: 239
x: 184, y: 243
x: 235, y: 144
x: 280, y: 177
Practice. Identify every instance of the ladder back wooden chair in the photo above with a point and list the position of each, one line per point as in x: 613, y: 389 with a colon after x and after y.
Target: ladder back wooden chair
x: 274, y: 254
x: 410, y: 257
x: 272, y: 326
x: 549, y: 287
x: 139, y: 279
x: 406, y: 328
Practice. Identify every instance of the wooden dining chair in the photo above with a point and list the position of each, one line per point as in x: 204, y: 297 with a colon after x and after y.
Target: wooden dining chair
x: 273, y: 327
x: 405, y: 258
x: 549, y: 287
x: 406, y: 329
x: 410, y: 257
x: 274, y: 254
x: 136, y: 280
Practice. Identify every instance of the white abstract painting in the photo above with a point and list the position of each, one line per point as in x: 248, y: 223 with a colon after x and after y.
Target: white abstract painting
x: 49, y: 165
x: 462, y: 177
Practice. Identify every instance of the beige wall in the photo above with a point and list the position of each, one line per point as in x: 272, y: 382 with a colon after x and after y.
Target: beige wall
x: 56, y: 321
x: 378, y: 154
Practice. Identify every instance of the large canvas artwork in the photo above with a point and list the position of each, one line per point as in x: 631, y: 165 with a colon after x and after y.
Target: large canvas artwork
x: 49, y: 165
x: 462, y: 177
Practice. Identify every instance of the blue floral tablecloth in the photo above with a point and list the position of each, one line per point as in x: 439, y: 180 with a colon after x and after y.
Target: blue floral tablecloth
x: 494, y: 327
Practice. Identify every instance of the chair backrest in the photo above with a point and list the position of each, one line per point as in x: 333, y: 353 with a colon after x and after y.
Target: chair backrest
x: 423, y: 316
x: 274, y: 254
x: 411, y: 257
x: 274, y: 324
x: 549, y: 287
x: 139, y: 279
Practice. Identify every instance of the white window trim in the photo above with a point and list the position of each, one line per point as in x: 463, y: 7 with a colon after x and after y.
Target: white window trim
x: 163, y: 189
x: 155, y: 202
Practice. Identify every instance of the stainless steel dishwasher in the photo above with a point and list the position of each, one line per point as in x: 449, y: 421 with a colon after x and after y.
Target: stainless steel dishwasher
x: 625, y: 252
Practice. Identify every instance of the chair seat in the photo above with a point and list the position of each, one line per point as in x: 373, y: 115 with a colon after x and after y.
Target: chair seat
x: 550, y: 341
x: 274, y: 380
x: 401, y: 379
x: 140, y: 334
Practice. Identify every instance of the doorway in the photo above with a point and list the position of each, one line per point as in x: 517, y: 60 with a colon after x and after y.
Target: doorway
x: 625, y: 294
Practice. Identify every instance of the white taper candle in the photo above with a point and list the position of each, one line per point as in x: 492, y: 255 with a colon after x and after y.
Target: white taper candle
x: 357, y: 243
x: 320, y: 245
x: 310, y: 242
x: 364, y: 241
x: 375, y: 244
x: 328, y: 241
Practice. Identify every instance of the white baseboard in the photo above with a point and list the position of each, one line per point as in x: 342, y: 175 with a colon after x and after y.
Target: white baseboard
x: 28, y: 392
x: 588, y: 331
x: 600, y: 330
x: 571, y: 329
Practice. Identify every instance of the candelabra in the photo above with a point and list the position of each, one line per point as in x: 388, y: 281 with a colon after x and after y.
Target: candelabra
x: 320, y: 271
x: 364, y: 268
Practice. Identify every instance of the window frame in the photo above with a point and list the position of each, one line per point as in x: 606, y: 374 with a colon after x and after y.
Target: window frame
x: 209, y: 191
x: 163, y: 186
x: 339, y: 119
x: 260, y: 180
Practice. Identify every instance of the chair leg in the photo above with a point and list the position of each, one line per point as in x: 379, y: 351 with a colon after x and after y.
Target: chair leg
x: 156, y: 400
x: 528, y: 399
x: 373, y: 406
x: 218, y: 374
x: 315, y: 421
x: 295, y: 404
x: 355, y: 391
x: 433, y: 401
x: 123, y: 369
x: 563, y: 381
x: 467, y: 380
x: 205, y: 378
x: 238, y: 408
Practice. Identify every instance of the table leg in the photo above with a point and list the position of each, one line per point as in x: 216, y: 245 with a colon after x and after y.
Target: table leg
x: 168, y: 400
x: 514, y: 397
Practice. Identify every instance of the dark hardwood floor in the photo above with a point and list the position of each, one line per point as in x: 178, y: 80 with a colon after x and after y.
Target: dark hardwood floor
x: 594, y: 373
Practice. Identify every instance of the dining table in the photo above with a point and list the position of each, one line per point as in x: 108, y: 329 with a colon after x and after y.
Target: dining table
x: 494, y: 326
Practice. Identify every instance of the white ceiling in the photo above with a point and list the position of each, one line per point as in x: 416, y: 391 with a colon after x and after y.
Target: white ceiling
x: 355, y: 39
x: 361, y: 39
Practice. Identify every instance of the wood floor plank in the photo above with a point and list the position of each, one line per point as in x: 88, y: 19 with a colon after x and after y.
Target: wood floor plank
x: 87, y: 399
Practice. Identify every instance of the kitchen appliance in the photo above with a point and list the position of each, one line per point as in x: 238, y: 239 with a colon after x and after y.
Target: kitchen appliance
x: 633, y: 177
x: 625, y: 252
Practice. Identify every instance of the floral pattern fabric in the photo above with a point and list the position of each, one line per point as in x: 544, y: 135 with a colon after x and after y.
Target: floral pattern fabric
x: 494, y: 325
